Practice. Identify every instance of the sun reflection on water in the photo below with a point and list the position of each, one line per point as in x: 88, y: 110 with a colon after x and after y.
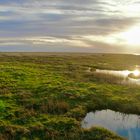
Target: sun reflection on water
x: 136, y: 72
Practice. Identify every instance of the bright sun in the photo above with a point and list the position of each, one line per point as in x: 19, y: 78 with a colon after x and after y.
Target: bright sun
x: 131, y: 37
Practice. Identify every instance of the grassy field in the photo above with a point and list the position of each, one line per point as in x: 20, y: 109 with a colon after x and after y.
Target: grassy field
x: 44, y: 96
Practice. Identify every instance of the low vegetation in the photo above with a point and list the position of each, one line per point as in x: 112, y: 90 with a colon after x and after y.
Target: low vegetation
x: 45, y: 96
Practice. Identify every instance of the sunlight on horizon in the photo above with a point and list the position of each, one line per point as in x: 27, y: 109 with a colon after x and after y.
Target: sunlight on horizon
x: 131, y: 36
x: 101, y: 26
x: 128, y: 38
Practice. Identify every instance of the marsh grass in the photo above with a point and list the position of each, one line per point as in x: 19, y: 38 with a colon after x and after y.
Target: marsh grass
x: 103, y: 77
x: 45, y: 96
x: 108, y: 78
x: 55, y: 107
x: 2, y: 106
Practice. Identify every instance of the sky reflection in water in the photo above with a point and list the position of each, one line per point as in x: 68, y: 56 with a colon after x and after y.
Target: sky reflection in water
x: 125, y: 125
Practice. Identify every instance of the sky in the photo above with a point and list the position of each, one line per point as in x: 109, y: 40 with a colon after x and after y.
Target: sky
x: 110, y: 26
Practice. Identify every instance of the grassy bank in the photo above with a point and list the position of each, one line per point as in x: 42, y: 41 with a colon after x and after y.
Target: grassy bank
x: 45, y: 96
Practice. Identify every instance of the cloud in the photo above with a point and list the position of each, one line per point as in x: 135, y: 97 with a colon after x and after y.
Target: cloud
x: 65, y: 22
x: 43, y: 41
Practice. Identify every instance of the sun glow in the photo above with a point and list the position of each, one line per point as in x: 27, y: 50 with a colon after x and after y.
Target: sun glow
x: 136, y: 72
x: 131, y: 37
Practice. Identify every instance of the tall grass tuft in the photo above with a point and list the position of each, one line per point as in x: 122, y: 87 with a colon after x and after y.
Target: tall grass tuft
x: 55, y: 107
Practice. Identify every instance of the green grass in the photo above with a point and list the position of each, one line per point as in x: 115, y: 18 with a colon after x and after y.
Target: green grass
x: 46, y: 95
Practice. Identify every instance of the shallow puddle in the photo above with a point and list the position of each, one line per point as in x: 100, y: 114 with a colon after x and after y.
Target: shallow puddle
x: 124, y: 125
x: 124, y: 74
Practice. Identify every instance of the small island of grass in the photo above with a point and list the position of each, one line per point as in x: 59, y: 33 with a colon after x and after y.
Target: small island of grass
x: 133, y: 76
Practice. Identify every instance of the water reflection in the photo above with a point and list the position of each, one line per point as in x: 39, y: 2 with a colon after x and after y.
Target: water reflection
x: 125, y: 125
x: 124, y: 74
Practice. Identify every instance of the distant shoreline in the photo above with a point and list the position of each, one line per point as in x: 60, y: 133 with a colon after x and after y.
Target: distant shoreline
x: 59, y: 53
